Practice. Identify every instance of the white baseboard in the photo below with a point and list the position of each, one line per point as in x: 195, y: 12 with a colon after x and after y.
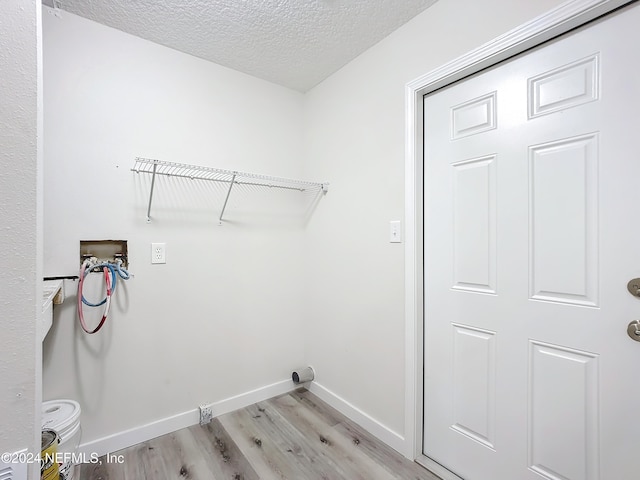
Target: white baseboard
x: 370, y: 424
x: 120, y: 440
x: 127, y: 438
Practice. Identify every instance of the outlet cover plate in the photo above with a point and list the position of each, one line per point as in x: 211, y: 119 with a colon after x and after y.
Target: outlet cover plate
x: 158, y: 253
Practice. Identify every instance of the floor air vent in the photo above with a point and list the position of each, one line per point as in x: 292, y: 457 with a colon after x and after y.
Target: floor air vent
x: 6, y: 473
x: 13, y: 471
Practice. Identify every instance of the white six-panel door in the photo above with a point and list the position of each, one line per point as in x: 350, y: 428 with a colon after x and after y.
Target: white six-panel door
x: 532, y: 231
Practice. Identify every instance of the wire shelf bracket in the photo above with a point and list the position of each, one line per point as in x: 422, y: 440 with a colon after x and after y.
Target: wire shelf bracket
x: 195, y: 172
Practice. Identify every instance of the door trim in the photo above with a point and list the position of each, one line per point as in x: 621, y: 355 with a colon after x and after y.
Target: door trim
x: 558, y: 21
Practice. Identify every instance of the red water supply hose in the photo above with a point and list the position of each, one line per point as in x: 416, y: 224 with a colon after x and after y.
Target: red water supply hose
x: 107, y: 280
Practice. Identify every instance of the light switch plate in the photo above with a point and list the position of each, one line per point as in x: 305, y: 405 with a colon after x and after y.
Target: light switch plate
x: 395, y: 231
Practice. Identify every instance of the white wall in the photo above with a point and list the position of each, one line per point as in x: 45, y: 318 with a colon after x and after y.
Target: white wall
x: 20, y: 223
x: 354, y: 136
x: 229, y: 299
x: 222, y: 317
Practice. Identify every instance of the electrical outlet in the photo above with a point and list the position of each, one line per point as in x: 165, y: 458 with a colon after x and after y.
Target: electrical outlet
x: 158, y: 253
x: 206, y: 414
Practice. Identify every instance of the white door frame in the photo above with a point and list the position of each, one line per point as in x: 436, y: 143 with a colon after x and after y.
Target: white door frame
x: 563, y: 18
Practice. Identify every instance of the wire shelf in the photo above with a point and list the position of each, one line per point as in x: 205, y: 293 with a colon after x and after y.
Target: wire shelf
x: 196, y: 172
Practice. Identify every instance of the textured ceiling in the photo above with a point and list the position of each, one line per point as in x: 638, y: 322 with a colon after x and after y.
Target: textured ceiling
x: 295, y: 43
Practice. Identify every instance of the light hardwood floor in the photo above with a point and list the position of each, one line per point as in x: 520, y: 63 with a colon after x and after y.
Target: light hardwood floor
x: 295, y: 436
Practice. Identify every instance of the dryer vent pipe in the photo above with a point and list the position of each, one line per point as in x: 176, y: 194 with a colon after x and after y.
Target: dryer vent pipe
x: 303, y: 375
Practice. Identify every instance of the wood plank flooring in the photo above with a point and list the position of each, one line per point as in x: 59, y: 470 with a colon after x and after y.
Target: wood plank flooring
x: 295, y: 436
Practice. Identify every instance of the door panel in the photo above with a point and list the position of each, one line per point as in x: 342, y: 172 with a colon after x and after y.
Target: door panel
x: 571, y: 451
x: 531, y: 173
x: 474, y: 402
x: 563, y: 210
x: 474, y: 195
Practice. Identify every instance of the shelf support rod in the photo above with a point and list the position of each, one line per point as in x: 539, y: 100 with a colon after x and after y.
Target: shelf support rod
x: 233, y: 179
x: 153, y: 181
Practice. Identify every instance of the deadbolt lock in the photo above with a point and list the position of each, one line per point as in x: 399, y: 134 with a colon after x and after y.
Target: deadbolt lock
x: 634, y: 287
x: 634, y: 330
